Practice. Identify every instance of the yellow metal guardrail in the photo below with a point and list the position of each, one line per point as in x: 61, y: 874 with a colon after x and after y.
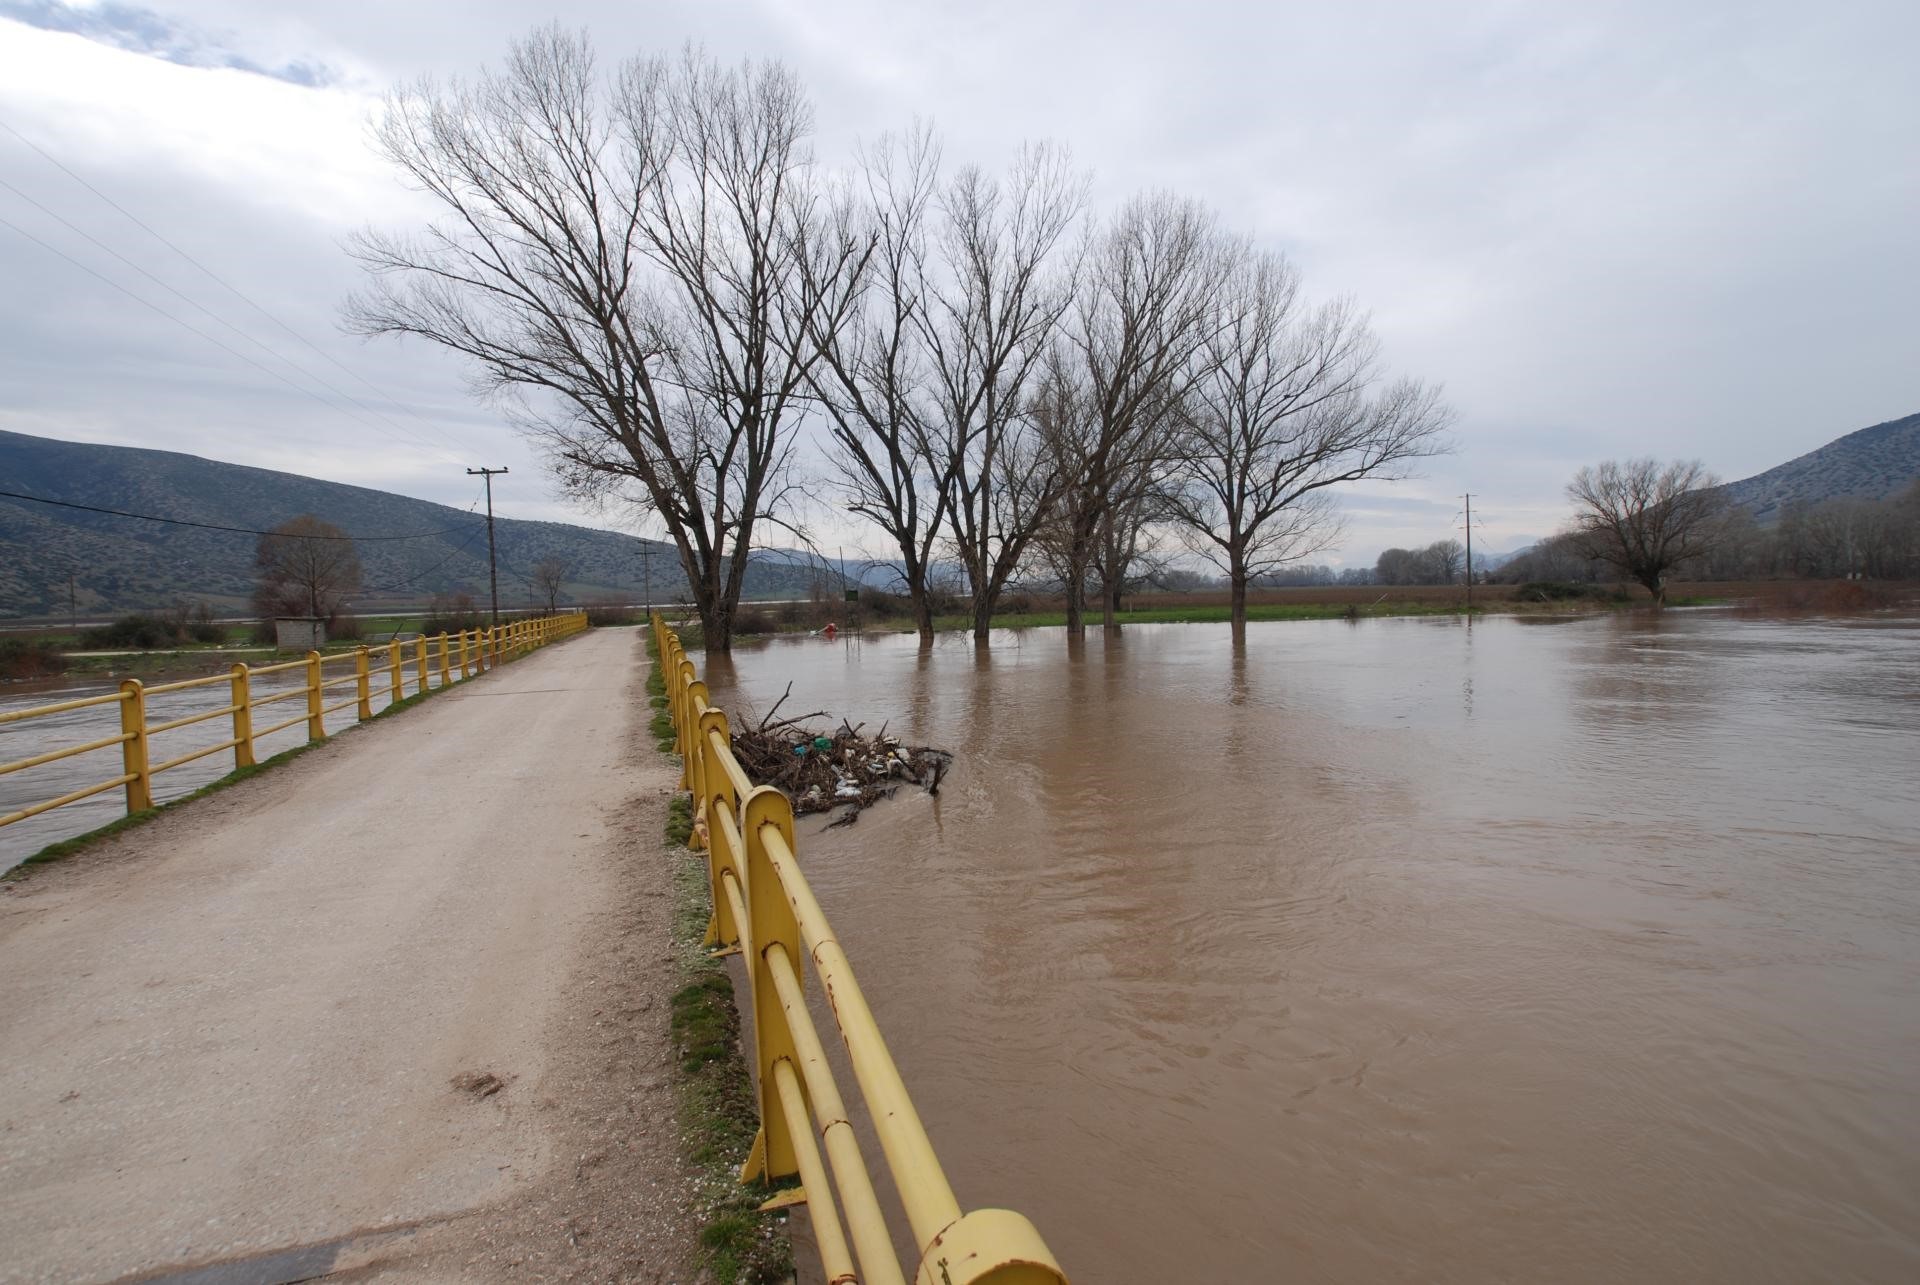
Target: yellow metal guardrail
x: 473, y: 651
x: 763, y: 907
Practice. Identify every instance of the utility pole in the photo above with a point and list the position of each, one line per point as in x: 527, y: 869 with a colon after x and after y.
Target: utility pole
x: 1469, y: 499
x: 493, y: 567
x: 646, y: 563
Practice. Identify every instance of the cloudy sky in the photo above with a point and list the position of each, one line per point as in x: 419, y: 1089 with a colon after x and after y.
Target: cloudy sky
x: 1608, y: 228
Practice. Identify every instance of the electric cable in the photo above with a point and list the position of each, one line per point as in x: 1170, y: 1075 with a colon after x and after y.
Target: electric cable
x: 228, y: 286
x: 214, y: 526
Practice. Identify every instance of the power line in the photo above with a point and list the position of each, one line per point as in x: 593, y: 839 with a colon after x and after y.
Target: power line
x: 464, y: 546
x: 188, y: 299
x: 178, y: 321
x: 228, y: 286
x: 211, y: 526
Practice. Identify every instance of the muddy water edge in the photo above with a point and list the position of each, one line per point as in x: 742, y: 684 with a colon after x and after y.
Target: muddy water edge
x: 1403, y: 949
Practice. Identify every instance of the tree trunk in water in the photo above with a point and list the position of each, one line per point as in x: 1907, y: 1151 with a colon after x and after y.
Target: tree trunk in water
x: 1238, y: 612
x: 1076, y: 592
x: 922, y: 614
x: 1110, y: 605
x: 716, y: 628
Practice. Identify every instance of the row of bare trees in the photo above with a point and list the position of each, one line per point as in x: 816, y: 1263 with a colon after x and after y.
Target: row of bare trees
x: 1022, y: 385
x: 647, y: 266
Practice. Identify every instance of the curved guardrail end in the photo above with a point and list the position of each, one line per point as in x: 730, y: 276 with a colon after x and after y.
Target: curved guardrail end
x: 989, y: 1247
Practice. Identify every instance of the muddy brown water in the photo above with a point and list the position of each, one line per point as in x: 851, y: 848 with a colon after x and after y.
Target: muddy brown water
x: 1403, y: 950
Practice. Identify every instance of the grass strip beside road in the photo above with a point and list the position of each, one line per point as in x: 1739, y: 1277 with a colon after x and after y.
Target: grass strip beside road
x: 719, y: 1114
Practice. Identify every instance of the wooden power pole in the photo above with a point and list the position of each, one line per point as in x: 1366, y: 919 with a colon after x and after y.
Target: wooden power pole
x: 1469, y: 499
x: 493, y: 567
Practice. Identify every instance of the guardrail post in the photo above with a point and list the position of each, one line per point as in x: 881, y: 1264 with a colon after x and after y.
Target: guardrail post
x: 700, y: 769
x: 446, y: 672
x: 772, y: 921
x: 420, y: 656
x: 316, y: 700
x: 688, y: 731
x: 242, y: 716
x: 393, y: 674
x: 465, y: 672
x: 712, y: 794
x: 363, y: 688
x: 133, y: 751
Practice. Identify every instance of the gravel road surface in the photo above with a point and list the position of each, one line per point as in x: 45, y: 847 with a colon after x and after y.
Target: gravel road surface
x: 395, y: 1010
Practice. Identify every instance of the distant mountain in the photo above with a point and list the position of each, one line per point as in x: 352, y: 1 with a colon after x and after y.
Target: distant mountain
x: 1871, y: 464
x: 1494, y: 561
x: 122, y: 564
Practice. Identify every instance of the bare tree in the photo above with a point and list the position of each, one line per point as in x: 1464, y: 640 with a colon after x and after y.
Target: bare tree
x: 1142, y: 315
x: 1644, y: 518
x: 1449, y: 559
x: 1557, y: 558
x: 641, y: 266
x: 1124, y: 549
x: 874, y: 378
x: 990, y: 308
x: 1287, y: 406
x: 549, y: 578
x: 1123, y: 543
x: 305, y: 567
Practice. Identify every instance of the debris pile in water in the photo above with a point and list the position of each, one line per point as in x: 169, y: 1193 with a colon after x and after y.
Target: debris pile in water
x: 822, y: 773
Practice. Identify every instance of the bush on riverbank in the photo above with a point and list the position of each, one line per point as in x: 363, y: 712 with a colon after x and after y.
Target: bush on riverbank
x: 1563, y: 591
x: 180, y: 626
x: 606, y: 614
x: 451, y: 613
x: 28, y: 658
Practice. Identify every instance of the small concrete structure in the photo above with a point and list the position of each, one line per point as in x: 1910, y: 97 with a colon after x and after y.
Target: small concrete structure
x: 299, y: 633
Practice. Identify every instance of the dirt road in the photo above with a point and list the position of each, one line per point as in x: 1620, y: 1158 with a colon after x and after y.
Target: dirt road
x: 395, y: 1009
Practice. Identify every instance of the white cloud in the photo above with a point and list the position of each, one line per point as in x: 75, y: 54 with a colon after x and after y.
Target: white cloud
x: 1611, y: 230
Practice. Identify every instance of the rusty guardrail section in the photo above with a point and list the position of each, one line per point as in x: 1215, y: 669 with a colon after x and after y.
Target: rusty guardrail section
x: 473, y: 651
x: 763, y: 907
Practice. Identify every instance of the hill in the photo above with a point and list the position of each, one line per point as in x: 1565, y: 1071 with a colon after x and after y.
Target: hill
x: 122, y: 564
x: 1871, y: 464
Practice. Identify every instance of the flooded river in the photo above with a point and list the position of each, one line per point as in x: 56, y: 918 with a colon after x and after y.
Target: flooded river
x: 1404, y: 950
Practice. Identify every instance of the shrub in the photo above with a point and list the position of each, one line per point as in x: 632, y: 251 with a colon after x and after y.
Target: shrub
x: 607, y: 612
x: 752, y: 620
x: 30, y: 658
x: 1562, y: 591
x: 449, y: 613
x: 138, y: 630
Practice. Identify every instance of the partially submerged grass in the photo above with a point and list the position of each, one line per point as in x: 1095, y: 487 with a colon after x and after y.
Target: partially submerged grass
x: 1204, y: 614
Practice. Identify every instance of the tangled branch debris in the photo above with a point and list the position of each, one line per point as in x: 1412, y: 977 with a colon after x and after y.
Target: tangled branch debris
x: 843, y: 770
